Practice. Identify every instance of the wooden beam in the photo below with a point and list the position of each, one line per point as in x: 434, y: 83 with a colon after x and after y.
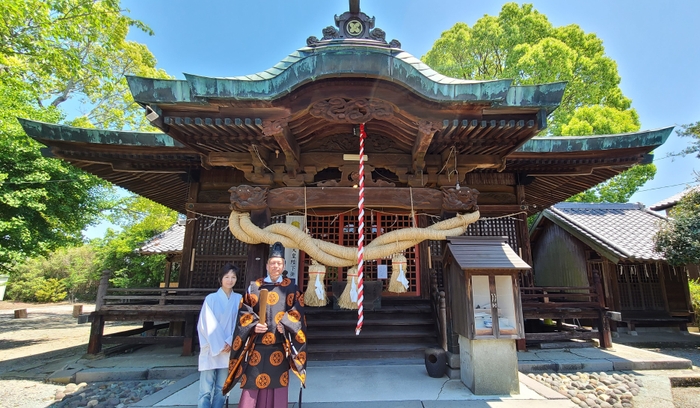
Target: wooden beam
x: 292, y: 198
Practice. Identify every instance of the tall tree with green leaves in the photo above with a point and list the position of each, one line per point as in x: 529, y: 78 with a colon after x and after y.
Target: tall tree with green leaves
x: 521, y: 44
x: 53, y: 51
x: 679, y: 239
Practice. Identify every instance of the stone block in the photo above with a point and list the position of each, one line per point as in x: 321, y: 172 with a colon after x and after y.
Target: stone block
x: 167, y: 373
x: 489, y: 367
x: 452, y: 360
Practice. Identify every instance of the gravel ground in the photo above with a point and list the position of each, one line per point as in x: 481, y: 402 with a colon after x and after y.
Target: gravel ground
x: 31, y: 349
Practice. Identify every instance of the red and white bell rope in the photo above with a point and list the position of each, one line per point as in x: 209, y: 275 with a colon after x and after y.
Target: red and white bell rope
x: 361, y: 234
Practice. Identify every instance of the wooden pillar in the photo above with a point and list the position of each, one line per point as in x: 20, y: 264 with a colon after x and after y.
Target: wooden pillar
x: 168, y: 270
x: 603, y: 322
x: 257, y: 254
x: 188, y: 253
x: 423, y: 267
x: 20, y: 313
x: 96, y: 331
x: 102, y: 289
x: 190, y: 328
x: 525, y: 251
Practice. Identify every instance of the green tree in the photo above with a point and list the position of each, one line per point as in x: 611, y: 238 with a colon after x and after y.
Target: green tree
x: 66, y: 272
x: 679, y: 239
x: 140, y: 219
x: 521, y: 44
x: 693, y: 131
x: 604, y: 120
x: 52, y: 51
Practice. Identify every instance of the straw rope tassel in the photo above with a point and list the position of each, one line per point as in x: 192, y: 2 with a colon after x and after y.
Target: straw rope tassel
x: 315, y: 294
x: 398, y: 282
x: 361, y: 235
x: 348, y: 299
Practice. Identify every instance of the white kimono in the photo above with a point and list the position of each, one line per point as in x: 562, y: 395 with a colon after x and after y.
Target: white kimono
x: 217, y: 320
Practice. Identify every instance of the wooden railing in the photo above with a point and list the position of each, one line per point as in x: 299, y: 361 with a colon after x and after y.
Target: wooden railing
x: 155, y: 308
x: 159, y: 296
x: 566, y: 302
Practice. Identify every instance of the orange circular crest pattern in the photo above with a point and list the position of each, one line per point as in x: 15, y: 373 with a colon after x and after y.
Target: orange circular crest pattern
x: 300, y: 298
x: 286, y: 282
x: 268, y: 338
x: 301, y: 357
x: 272, y: 298
x: 259, y: 282
x: 276, y: 358
x: 244, y: 379
x: 252, y: 299
x: 239, y: 371
x: 279, y: 316
x: 255, y: 358
x: 294, y: 316
x: 246, y: 319
x: 300, y: 337
x: 290, y: 299
x: 284, y: 379
x: 237, y: 342
x: 262, y: 381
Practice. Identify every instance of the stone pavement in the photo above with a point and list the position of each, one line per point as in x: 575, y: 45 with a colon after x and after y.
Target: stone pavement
x: 397, y: 383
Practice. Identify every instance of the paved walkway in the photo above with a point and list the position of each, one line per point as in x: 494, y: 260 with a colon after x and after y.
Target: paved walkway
x: 403, y: 384
x: 388, y: 383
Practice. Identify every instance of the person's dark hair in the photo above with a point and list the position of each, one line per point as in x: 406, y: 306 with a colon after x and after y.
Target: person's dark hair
x: 228, y: 267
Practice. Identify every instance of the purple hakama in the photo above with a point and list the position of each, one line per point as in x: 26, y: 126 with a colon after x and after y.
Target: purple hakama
x: 265, y: 398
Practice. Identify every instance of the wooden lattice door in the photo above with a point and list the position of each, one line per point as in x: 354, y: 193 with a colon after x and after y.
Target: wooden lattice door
x: 342, y: 229
x: 498, y: 227
x: 640, y: 287
x: 214, y: 246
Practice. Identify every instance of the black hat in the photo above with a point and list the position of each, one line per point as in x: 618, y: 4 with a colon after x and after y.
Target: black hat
x: 276, y: 251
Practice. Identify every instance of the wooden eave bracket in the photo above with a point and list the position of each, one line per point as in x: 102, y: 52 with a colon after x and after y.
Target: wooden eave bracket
x: 426, y: 132
x: 279, y: 129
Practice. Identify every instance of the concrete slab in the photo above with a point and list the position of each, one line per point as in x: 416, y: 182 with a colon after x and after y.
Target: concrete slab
x: 360, y: 384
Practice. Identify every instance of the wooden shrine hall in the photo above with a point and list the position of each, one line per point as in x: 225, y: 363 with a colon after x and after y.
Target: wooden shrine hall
x: 283, y: 145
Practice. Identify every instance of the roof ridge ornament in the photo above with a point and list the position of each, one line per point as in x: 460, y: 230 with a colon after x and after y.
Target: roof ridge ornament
x: 353, y: 26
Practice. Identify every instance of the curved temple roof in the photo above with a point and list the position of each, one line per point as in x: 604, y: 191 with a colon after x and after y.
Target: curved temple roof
x: 288, y: 124
x: 309, y: 65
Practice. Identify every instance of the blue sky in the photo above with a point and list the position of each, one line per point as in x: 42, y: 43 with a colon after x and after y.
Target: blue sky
x: 656, y: 46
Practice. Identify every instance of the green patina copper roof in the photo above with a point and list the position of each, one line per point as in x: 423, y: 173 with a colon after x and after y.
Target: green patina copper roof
x: 345, y: 60
x: 563, y: 144
x: 49, y: 131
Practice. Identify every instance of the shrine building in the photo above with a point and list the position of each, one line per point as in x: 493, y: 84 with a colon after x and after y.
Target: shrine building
x: 283, y: 146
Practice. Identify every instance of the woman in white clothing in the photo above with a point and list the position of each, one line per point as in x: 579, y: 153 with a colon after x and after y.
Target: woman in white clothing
x: 217, y: 320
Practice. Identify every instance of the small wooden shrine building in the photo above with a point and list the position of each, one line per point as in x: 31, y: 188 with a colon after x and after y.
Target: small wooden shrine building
x: 573, y: 241
x: 283, y: 142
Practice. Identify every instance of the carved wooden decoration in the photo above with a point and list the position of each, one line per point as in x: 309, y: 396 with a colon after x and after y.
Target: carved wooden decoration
x: 459, y: 200
x: 350, y: 177
x: 248, y: 198
x: 355, y: 111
